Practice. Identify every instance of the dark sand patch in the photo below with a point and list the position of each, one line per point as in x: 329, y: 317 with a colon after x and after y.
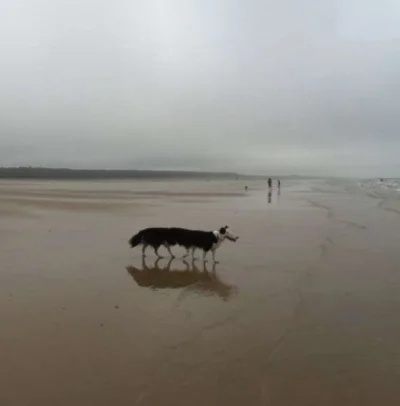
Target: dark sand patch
x: 14, y: 211
x: 50, y: 204
x: 108, y: 194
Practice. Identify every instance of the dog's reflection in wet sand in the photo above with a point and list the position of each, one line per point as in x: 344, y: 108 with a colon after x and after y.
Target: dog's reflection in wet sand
x: 192, y: 278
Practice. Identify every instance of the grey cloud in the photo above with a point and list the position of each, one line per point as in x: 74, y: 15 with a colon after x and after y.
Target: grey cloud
x: 257, y: 86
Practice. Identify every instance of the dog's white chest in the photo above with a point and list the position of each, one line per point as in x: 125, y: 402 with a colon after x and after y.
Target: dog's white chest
x: 217, y: 244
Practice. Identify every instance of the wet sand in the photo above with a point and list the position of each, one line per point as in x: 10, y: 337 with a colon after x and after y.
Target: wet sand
x: 302, y: 310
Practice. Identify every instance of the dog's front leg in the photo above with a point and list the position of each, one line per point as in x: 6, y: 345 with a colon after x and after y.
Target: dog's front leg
x: 213, y: 256
x: 204, y: 256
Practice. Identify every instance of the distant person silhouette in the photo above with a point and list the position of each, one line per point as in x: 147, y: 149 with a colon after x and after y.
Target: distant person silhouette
x: 279, y: 184
x: 270, y: 183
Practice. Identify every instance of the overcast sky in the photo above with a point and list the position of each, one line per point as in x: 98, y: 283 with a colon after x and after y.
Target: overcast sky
x: 256, y: 86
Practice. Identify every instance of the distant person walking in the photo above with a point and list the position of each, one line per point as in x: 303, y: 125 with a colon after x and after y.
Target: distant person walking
x: 279, y: 184
x: 270, y: 183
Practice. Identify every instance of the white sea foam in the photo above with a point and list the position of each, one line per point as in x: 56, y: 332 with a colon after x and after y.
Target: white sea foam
x: 390, y: 186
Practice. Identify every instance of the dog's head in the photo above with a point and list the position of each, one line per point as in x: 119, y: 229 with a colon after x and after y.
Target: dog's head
x: 226, y: 233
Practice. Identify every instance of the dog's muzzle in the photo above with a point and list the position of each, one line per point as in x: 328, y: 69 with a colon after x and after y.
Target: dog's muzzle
x: 234, y: 239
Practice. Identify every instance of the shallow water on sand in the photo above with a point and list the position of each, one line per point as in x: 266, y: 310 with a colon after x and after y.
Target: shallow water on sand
x: 301, y: 310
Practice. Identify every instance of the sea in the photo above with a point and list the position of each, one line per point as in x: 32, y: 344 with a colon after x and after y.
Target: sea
x: 387, y: 186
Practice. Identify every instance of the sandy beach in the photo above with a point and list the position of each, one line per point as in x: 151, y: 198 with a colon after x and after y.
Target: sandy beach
x: 302, y: 310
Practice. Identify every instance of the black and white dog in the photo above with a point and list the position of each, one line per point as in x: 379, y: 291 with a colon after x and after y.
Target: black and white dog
x: 189, y: 239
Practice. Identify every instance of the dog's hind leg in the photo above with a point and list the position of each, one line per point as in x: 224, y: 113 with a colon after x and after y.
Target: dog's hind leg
x: 187, y: 253
x: 194, y: 268
x: 144, y: 265
x: 169, y: 250
x: 156, y: 251
x: 204, y: 256
x: 168, y: 267
x: 186, y: 263
x: 144, y: 250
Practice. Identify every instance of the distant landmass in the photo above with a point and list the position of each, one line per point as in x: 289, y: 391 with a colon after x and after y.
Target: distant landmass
x: 91, y: 174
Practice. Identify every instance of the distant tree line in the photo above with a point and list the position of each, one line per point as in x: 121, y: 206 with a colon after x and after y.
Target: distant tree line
x: 64, y: 173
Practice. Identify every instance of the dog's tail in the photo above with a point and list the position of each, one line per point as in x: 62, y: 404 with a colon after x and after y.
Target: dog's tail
x: 136, y: 239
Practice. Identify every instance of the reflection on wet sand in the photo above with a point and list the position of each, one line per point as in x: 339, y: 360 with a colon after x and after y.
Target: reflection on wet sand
x: 270, y: 193
x: 192, y: 278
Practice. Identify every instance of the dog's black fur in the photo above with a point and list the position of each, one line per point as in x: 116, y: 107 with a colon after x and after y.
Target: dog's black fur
x: 170, y: 236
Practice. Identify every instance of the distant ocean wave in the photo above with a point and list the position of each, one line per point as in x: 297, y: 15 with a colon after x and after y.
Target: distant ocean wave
x: 385, y: 187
